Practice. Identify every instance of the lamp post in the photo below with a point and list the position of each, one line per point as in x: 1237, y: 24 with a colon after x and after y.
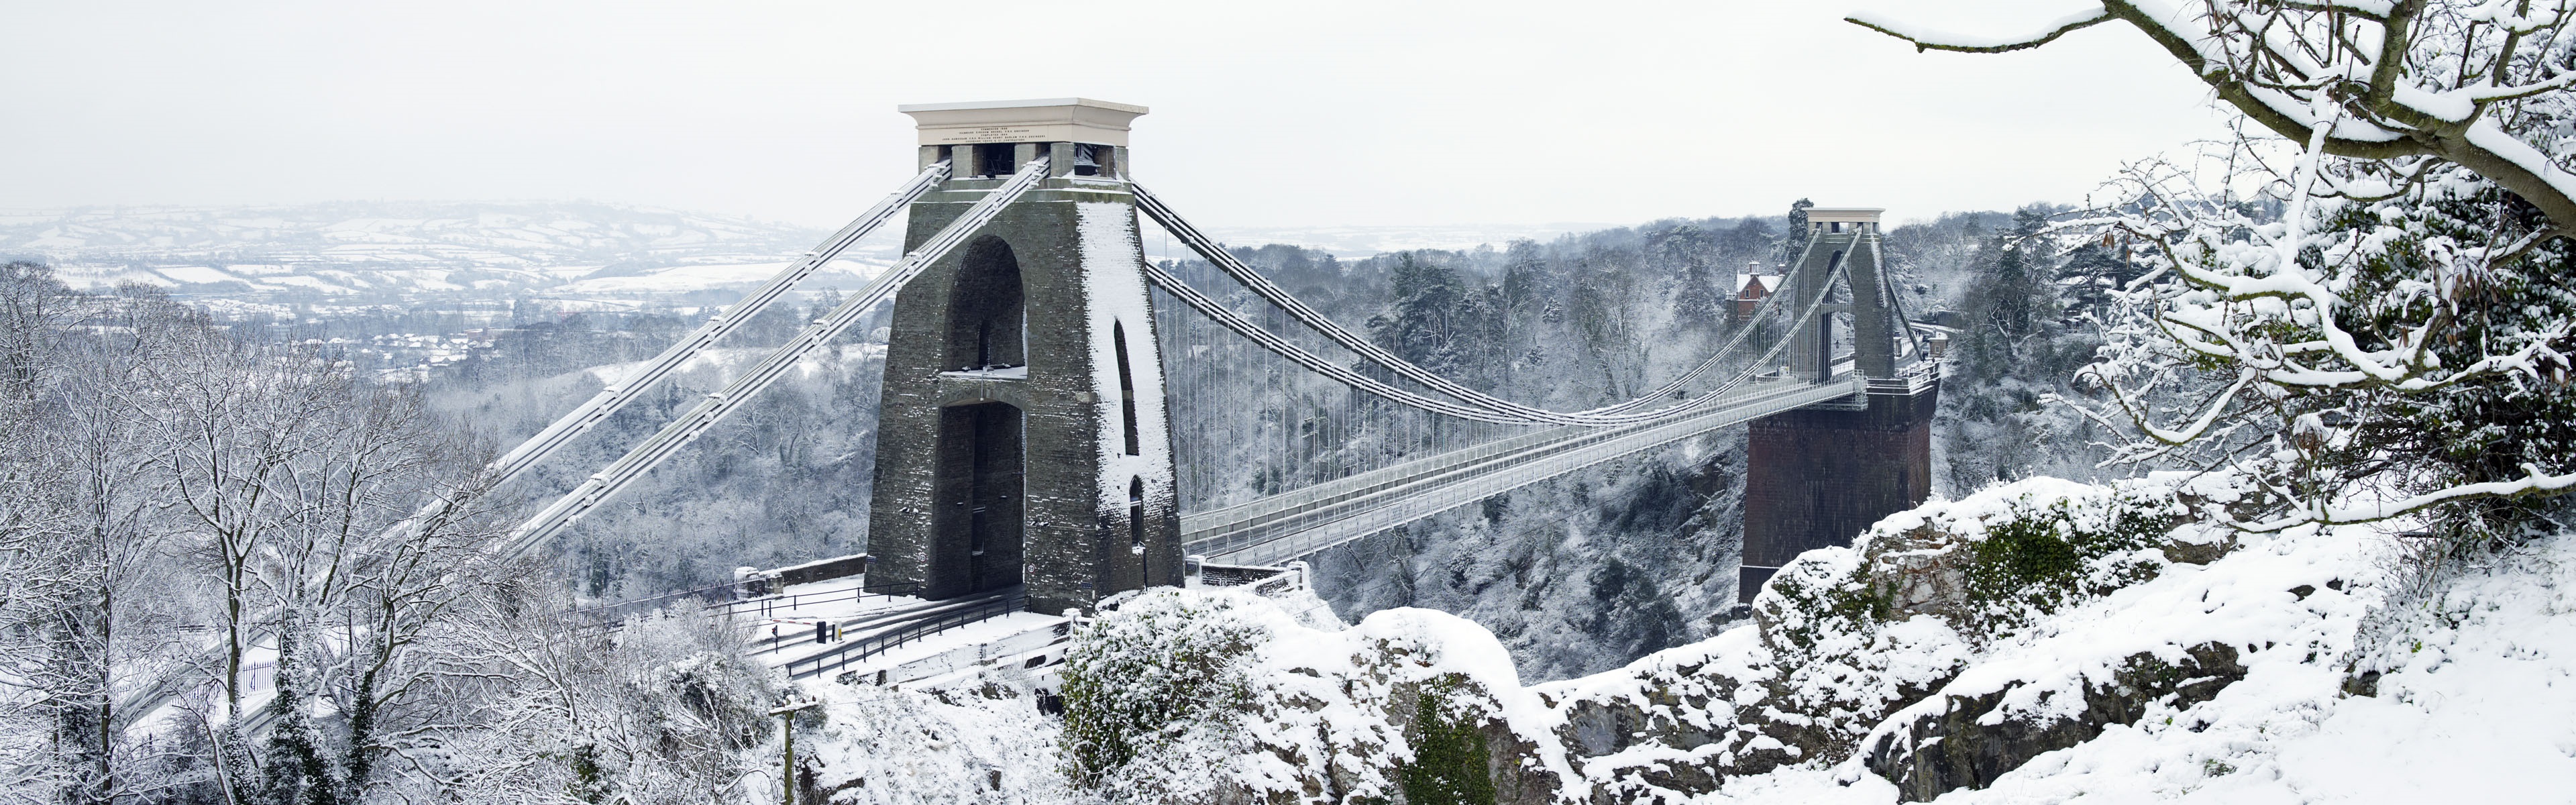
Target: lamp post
x: 787, y: 747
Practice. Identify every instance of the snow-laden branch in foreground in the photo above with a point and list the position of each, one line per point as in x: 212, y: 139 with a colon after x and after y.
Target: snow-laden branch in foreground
x: 2461, y: 82
x: 2533, y: 482
x: 1928, y: 39
x: 2361, y: 338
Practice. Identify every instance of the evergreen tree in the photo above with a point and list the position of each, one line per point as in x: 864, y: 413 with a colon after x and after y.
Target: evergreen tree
x: 2013, y: 295
x: 1422, y: 324
x: 1796, y: 241
x: 1690, y: 253
x: 2094, y: 270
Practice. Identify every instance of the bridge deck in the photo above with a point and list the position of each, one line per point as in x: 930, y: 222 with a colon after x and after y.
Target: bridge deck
x: 1285, y: 526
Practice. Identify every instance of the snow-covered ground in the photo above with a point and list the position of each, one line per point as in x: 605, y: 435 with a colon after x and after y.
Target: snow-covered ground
x: 2476, y: 701
x: 2480, y: 706
x: 897, y: 746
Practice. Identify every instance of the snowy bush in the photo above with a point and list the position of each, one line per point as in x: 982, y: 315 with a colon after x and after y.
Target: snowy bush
x: 1150, y: 680
x: 2036, y: 557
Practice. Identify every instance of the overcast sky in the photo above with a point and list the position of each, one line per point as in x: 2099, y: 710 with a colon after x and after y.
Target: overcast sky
x: 1378, y: 112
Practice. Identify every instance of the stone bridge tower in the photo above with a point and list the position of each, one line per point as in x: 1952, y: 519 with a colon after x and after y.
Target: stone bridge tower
x: 1022, y: 438
x: 1818, y: 476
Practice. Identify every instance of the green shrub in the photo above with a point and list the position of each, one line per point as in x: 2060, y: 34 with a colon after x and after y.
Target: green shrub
x: 2027, y: 552
x: 2042, y: 558
x: 1817, y: 603
x: 1450, y: 758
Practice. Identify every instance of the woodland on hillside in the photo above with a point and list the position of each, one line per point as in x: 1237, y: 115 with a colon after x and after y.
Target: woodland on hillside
x: 234, y: 570
x: 259, y: 592
x: 2328, y: 360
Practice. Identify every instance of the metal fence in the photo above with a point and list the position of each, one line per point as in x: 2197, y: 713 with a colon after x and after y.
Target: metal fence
x: 889, y: 640
x: 771, y: 605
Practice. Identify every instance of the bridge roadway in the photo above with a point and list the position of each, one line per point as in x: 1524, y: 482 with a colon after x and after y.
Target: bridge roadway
x: 1285, y: 526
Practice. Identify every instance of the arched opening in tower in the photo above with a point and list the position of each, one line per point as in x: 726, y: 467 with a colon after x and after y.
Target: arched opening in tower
x: 1126, y: 387
x: 987, y: 309
x: 976, y: 521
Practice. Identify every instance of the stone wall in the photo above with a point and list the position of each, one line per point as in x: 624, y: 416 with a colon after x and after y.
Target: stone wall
x: 1074, y: 544
x: 1818, y: 477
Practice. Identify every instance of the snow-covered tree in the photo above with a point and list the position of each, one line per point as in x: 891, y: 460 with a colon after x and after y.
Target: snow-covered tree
x: 663, y: 710
x: 2479, y: 84
x: 2369, y: 317
x: 1795, y: 241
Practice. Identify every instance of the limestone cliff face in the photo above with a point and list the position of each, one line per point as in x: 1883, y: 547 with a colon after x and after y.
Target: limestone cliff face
x: 1932, y: 654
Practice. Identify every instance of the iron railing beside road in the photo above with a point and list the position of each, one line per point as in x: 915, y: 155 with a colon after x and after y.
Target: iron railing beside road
x: 891, y: 639
x: 769, y: 606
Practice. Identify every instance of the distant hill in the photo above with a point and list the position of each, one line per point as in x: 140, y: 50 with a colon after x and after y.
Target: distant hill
x: 562, y: 254
x: 375, y: 252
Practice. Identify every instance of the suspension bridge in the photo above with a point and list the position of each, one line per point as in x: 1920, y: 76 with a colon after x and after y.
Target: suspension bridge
x: 1029, y: 455
x: 1036, y: 358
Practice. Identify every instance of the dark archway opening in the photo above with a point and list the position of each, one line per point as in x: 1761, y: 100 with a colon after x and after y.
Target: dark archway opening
x: 987, y: 309
x: 977, y: 521
x: 1126, y: 386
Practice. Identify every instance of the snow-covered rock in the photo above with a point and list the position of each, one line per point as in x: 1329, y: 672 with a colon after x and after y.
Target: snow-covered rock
x: 2036, y: 642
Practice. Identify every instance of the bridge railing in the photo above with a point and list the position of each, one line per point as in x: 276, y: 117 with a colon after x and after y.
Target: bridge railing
x: 1224, y: 519
x: 1284, y: 510
x: 1302, y: 529
x: 770, y: 605
x: 891, y: 639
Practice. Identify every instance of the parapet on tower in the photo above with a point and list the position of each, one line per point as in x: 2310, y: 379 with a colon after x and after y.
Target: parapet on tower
x: 1023, y: 384
x: 1080, y: 136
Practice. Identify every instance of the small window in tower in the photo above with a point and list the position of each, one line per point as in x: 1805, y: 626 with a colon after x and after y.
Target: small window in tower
x: 1136, y: 516
x: 1086, y: 159
x: 993, y: 159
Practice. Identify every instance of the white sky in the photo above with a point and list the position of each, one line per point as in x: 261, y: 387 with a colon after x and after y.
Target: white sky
x: 1281, y: 114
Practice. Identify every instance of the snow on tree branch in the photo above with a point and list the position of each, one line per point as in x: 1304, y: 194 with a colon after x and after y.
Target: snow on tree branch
x: 2471, y: 83
x: 2390, y: 330
x: 1926, y: 39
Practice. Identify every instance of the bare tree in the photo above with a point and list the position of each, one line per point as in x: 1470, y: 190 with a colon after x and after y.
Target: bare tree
x: 232, y: 419
x: 2368, y: 317
x: 85, y: 569
x: 369, y: 591
x: 2477, y: 84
